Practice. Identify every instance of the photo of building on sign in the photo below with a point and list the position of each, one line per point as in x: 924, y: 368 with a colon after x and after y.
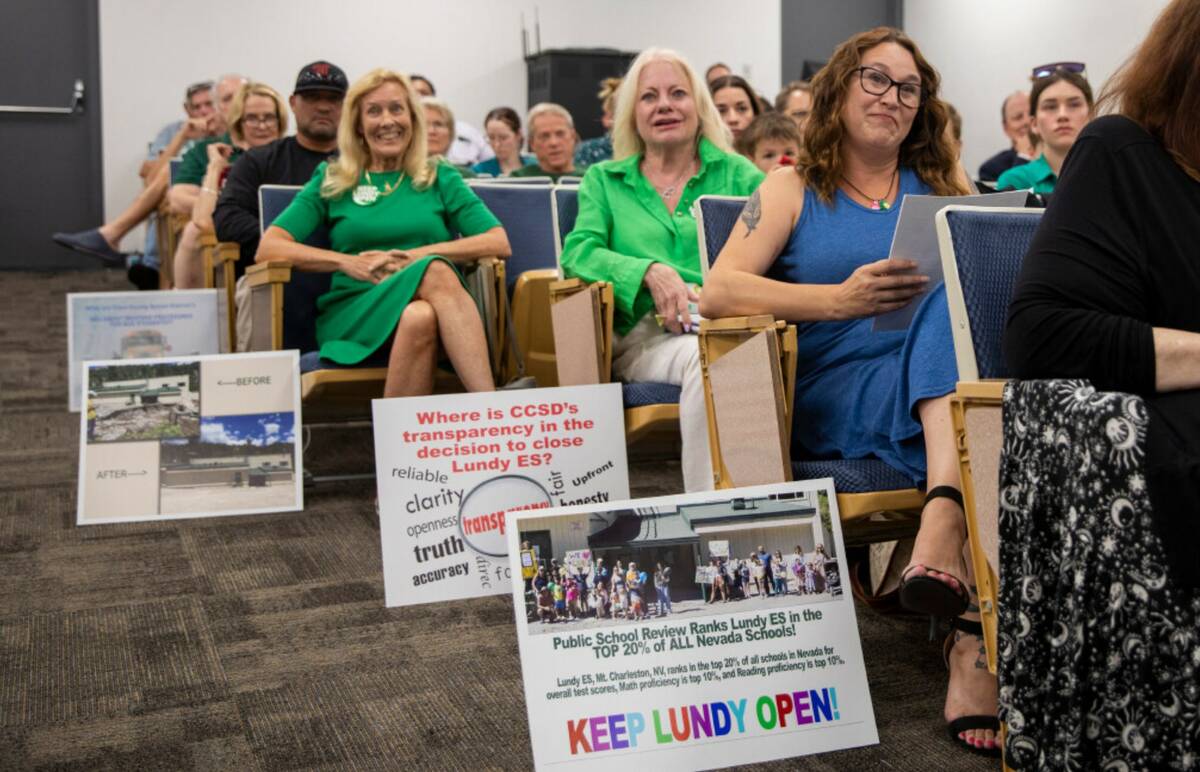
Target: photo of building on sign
x: 238, y: 462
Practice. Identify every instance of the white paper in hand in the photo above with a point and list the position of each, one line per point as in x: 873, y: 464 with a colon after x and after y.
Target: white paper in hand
x: 915, y: 239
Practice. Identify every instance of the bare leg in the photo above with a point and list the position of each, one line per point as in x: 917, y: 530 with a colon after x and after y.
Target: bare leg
x: 973, y: 690
x: 141, y: 208
x: 414, y: 352
x: 189, y: 268
x: 943, y: 530
x: 459, y: 325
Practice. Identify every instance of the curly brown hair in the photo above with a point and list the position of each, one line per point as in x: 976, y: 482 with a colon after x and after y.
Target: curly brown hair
x: 925, y: 150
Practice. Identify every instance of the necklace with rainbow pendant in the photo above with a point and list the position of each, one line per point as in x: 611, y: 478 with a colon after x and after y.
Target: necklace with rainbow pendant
x: 877, y: 204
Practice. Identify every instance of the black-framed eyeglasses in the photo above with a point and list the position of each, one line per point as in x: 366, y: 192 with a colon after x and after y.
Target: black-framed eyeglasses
x: 1045, y: 70
x: 877, y: 83
x: 196, y: 88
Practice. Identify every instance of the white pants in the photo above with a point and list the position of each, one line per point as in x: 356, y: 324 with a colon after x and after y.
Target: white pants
x: 651, y: 354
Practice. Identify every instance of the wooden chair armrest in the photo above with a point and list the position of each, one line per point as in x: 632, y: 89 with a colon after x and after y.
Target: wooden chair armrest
x: 976, y: 415
x: 219, y: 260
x: 266, y: 282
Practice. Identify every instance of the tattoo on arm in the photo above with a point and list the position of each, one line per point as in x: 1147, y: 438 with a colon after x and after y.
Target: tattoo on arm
x: 752, y: 213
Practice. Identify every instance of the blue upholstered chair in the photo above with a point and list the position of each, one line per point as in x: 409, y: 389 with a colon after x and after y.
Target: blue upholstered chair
x: 526, y: 212
x: 982, y: 250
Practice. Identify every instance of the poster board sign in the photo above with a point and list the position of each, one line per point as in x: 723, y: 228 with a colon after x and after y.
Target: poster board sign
x: 718, y: 548
x: 186, y: 437
x: 579, y: 561
x: 138, y: 325
x: 528, y: 564
x: 449, y: 466
x: 756, y: 678
x: 705, y: 574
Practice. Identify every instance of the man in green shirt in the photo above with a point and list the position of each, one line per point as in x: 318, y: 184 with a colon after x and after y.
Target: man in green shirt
x: 552, y: 139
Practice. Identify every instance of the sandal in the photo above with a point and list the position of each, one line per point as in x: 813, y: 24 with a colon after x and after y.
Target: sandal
x: 966, y: 723
x: 927, y: 595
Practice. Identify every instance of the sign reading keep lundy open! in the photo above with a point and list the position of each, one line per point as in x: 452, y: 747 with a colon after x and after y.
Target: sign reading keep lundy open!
x: 449, y: 467
x: 649, y: 672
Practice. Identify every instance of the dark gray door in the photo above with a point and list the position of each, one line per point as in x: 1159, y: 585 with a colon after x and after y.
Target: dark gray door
x: 813, y: 28
x: 52, y: 173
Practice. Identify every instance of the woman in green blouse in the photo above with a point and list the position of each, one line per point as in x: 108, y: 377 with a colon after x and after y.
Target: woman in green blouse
x: 635, y: 229
x: 392, y: 214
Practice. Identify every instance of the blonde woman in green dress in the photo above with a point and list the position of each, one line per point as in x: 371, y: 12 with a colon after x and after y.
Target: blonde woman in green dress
x: 393, y: 214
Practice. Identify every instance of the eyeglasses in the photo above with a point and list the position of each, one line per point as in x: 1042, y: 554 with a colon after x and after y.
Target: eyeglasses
x: 879, y: 83
x: 1046, y: 70
x: 261, y: 120
x: 196, y: 88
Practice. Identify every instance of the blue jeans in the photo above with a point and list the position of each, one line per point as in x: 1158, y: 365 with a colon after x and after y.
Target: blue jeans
x: 664, y: 599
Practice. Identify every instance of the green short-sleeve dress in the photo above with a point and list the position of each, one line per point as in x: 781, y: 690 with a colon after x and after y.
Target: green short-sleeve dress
x: 357, y: 317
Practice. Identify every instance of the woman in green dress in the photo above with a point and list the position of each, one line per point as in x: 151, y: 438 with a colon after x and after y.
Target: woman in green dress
x: 392, y: 214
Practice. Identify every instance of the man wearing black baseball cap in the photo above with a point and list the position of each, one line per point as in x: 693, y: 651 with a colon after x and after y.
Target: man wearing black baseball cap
x: 316, y: 102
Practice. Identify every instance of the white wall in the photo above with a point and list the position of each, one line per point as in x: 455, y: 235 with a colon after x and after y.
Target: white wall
x: 985, y: 50
x: 152, y: 49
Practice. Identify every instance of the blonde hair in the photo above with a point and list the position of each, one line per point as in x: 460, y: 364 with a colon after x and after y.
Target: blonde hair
x: 625, y: 137
x: 444, y: 109
x: 238, y: 108
x: 608, y: 93
x: 353, y: 153
x: 547, y: 108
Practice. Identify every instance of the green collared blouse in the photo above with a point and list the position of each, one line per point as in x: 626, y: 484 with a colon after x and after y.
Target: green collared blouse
x: 623, y: 226
x: 1036, y: 174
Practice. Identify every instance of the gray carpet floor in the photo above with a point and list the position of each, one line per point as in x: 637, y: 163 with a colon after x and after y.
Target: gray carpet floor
x: 262, y: 642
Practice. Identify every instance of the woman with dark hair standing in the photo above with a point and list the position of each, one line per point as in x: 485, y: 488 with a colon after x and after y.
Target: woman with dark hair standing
x: 503, y: 128
x: 1108, y: 292
x: 736, y: 102
x: 812, y: 246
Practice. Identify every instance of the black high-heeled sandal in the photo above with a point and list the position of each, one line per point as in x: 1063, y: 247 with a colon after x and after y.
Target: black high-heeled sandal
x: 926, y: 594
x: 967, y: 723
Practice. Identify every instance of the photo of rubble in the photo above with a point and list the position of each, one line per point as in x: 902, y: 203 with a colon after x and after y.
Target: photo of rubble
x: 143, y: 402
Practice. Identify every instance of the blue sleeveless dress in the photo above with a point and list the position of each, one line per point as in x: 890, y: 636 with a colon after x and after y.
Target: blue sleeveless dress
x: 857, y: 390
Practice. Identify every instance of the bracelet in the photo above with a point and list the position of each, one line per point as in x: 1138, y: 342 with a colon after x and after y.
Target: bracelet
x: 209, y: 190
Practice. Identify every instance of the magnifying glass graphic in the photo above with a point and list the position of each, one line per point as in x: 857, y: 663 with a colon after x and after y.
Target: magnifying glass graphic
x: 481, y: 512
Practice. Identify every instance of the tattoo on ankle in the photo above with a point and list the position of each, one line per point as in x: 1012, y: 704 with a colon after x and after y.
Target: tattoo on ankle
x: 752, y: 213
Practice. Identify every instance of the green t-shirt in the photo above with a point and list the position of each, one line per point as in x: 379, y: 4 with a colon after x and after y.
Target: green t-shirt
x: 1036, y: 174
x: 194, y: 164
x: 623, y: 227
x: 533, y: 170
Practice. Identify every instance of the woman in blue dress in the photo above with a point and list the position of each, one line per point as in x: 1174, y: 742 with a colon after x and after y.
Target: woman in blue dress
x: 812, y: 246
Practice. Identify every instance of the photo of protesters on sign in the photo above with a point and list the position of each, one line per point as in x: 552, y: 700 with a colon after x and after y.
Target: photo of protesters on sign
x: 652, y: 562
x: 702, y: 630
